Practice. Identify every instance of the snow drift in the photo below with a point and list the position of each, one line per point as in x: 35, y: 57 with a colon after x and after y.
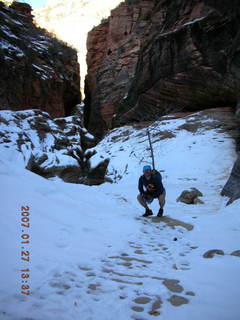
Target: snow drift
x: 92, y: 255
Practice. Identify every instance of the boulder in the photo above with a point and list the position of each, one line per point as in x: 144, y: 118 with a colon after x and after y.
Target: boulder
x: 190, y: 196
x: 232, y: 186
x: 96, y: 175
x: 211, y: 253
x: 71, y: 174
x: 236, y: 253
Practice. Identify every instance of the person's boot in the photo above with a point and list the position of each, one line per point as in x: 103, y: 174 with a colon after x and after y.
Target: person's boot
x: 147, y: 213
x: 160, y: 212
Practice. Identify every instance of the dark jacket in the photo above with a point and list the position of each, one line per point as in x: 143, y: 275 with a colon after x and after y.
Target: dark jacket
x: 152, y: 187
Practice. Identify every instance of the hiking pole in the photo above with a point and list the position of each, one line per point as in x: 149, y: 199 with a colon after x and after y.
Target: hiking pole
x: 151, y: 148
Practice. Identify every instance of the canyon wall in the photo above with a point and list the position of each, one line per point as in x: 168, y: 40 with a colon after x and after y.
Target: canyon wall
x: 37, y: 70
x: 151, y: 58
x: 62, y: 17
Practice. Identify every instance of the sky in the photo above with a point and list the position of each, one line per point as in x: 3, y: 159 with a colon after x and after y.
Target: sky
x: 36, y: 3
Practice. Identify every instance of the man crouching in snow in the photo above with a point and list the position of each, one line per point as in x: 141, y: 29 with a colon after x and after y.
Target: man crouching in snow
x: 150, y: 187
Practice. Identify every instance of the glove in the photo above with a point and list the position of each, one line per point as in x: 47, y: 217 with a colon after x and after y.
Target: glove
x: 146, y: 195
x: 150, y: 187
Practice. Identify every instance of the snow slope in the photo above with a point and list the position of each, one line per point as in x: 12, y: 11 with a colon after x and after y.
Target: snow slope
x: 92, y: 255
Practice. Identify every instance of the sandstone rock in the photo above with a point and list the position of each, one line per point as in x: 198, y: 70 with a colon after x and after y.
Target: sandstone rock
x: 112, y: 56
x: 137, y: 309
x: 177, y: 300
x: 71, y: 174
x: 236, y: 253
x: 96, y: 176
x: 173, y: 285
x: 211, y: 253
x: 142, y: 300
x: 190, y: 197
x: 36, y: 165
x: 23, y: 8
x: 79, y: 15
x: 151, y: 58
x: 170, y: 71
x: 37, y: 70
x: 232, y: 187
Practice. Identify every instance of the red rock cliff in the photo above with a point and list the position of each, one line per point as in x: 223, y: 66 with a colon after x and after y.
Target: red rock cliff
x: 37, y: 70
x: 159, y: 57
x: 113, y: 50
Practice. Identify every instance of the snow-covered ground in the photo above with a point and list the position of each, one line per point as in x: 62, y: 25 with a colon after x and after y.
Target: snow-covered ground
x: 92, y: 255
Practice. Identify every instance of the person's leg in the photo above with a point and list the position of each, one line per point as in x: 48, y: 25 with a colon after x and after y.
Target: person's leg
x: 161, y: 199
x: 142, y: 202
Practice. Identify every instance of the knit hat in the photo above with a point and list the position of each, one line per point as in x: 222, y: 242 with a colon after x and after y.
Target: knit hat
x: 147, y: 168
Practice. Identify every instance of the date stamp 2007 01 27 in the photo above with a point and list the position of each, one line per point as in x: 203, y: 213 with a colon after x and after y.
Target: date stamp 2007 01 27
x: 25, y: 253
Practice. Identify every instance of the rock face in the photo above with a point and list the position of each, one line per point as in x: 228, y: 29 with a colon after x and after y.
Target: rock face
x: 113, y: 51
x: 37, y: 70
x: 62, y: 17
x: 151, y: 58
x: 52, y: 147
x: 232, y: 187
